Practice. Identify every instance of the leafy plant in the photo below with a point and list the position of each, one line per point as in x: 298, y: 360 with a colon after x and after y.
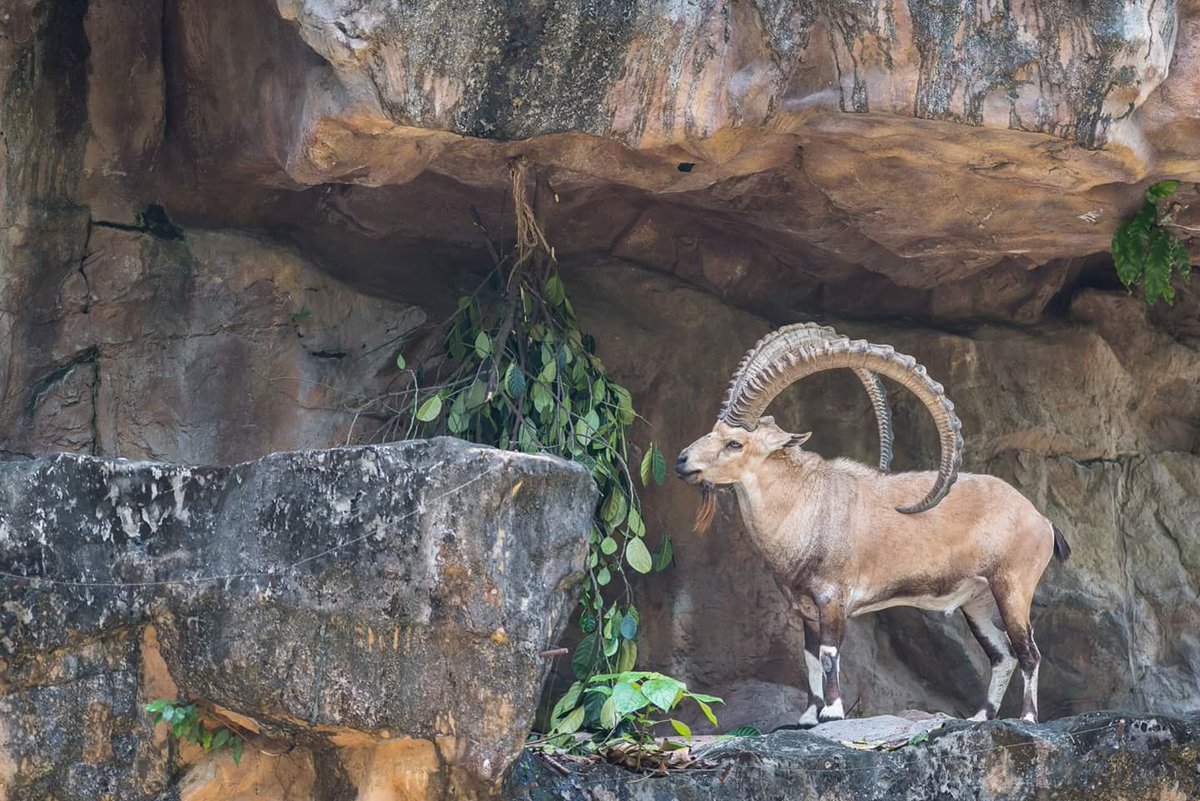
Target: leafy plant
x: 187, y: 723
x: 1147, y: 252
x: 630, y: 703
x: 515, y: 370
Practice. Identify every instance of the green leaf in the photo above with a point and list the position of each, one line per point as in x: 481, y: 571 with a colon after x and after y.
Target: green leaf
x: 569, y: 700
x: 681, y: 728
x: 483, y: 345
x: 549, y: 372
x: 1160, y: 190
x: 168, y: 713
x: 237, y: 747
x: 663, y: 691
x: 634, y: 521
x: 603, y: 577
x: 637, y: 556
x: 629, y: 626
x: 555, y: 293
x: 614, y: 509
x: 572, y: 722
x: 221, y: 738
x: 608, y: 546
x: 430, y: 409
x: 708, y: 713
x: 664, y: 555
x: 157, y: 705
x: 514, y: 382
x: 584, y: 657
x: 206, y: 740
x: 611, y: 645
x: 608, y: 715
x: 627, y: 656
x: 746, y: 731
x: 659, y: 464
x: 627, y: 699
x: 400, y: 363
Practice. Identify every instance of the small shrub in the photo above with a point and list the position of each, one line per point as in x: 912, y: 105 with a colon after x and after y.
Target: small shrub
x: 1147, y: 253
x: 187, y: 723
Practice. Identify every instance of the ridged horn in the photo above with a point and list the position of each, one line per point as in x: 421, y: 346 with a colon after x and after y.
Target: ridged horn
x: 785, y: 359
x: 802, y: 332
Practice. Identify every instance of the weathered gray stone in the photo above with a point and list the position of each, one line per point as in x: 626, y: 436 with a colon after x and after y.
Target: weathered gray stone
x: 1095, y: 757
x: 361, y: 597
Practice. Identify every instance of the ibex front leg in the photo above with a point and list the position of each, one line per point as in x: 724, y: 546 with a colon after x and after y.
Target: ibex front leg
x: 833, y: 627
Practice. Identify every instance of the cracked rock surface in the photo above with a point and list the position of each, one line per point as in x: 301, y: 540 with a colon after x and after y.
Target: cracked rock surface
x: 376, y: 613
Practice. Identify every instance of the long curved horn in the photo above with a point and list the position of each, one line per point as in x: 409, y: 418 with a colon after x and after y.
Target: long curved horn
x: 792, y: 356
x: 803, y: 332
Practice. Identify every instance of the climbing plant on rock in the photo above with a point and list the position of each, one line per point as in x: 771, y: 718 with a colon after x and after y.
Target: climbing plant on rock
x: 515, y: 370
x: 1147, y: 253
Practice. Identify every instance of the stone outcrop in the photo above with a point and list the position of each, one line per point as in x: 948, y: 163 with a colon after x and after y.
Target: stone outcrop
x: 375, y: 614
x: 1096, y: 757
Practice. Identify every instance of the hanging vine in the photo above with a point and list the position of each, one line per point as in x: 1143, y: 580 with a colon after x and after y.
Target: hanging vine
x: 515, y: 370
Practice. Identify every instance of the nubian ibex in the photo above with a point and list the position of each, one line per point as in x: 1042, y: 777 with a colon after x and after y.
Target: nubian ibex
x: 845, y: 539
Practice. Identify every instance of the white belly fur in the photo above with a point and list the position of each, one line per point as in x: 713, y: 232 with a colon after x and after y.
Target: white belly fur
x: 940, y: 603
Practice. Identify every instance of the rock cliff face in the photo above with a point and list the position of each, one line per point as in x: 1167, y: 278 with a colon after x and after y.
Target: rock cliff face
x: 370, y: 618
x: 221, y: 219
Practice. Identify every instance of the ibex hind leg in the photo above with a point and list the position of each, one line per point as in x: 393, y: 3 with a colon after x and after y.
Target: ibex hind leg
x: 1014, y: 611
x: 979, y: 614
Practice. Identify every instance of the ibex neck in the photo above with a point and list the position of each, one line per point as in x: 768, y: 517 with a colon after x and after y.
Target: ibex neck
x: 769, y: 498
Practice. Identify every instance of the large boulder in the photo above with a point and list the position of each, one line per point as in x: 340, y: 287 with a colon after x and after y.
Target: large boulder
x: 381, y: 608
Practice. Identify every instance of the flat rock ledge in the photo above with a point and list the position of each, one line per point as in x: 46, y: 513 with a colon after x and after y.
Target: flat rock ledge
x: 1099, y: 756
x: 372, y: 617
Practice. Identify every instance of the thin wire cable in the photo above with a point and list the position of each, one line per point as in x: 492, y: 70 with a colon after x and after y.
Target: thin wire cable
x: 245, y: 574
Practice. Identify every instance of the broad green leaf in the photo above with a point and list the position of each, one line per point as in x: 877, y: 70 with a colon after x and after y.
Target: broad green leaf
x: 603, y: 577
x: 476, y: 394
x: 681, y: 728
x: 568, y: 701
x: 611, y: 645
x: 483, y: 345
x: 627, y: 699
x: 584, y: 657
x: 647, y: 466
x: 400, y: 362
x: 627, y: 656
x: 663, y: 691
x: 157, y: 705
x: 571, y: 723
x: 237, y: 747
x: 629, y: 626
x: 430, y: 409
x: 634, y: 521
x: 555, y: 293
x: 614, y: 509
x: 637, y: 556
x: 221, y: 738
x: 608, y: 546
x: 168, y: 713
x: 514, y: 382
x: 608, y: 715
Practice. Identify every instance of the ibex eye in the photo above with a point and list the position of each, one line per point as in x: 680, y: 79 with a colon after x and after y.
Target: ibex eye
x: 733, y: 445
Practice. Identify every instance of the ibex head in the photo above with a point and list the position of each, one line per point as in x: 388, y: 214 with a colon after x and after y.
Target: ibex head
x: 788, y: 355
x: 725, y: 454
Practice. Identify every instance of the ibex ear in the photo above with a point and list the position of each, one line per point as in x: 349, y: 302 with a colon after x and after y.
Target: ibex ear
x: 798, y: 439
x: 766, y: 421
x: 778, y: 440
